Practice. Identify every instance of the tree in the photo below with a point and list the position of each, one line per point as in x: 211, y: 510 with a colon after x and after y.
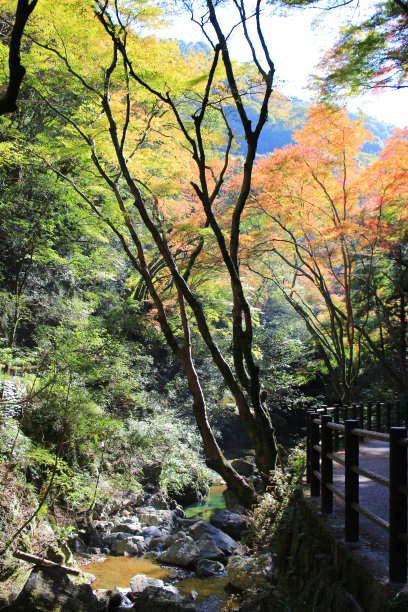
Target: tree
x: 386, y: 216
x: 8, y: 102
x: 130, y: 109
x: 333, y: 223
x: 371, y: 54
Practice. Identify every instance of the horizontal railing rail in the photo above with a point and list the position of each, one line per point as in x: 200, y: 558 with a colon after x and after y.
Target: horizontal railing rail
x: 12, y: 370
x: 323, y: 436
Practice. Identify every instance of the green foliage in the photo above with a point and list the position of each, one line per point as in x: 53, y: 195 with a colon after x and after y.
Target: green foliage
x: 270, y: 515
x: 371, y: 54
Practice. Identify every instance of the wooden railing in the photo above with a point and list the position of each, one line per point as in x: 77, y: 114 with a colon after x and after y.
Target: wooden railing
x: 323, y: 440
x: 17, y: 370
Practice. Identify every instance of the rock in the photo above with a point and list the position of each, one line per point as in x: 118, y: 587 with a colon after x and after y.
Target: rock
x: 250, y: 572
x: 103, y: 526
x: 152, y: 532
x: 244, y: 468
x: 110, y: 538
x: 113, y: 506
x: 150, y: 516
x: 109, y: 600
x: 220, y: 539
x: 160, y: 600
x: 151, y: 473
x: 133, y: 545
x: 208, y: 567
x: 76, y: 545
x: 159, y: 502
x: 176, y: 537
x: 190, y: 493
x: 113, y: 537
x: 140, y: 582
x: 183, y: 552
x: 133, y: 500
x: 54, y: 553
x: 232, y: 523
x: 49, y: 589
x: 115, y: 600
x: 232, y: 502
x: 128, y: 526
x: 209, y: 550
x: 156, y: 544
x: 10, y: 398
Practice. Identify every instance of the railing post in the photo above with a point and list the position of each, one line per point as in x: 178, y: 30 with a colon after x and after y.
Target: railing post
x: 326, y: 465
x: 351, y: 482
x: 308, y: 443
x: 398, y: 506
x: 369, y: 416
x: 336, y: 419
x: 361, y: 415
x: 354, y: 411
x: 314, y: 456
x: 388, y: 407
x: 378, y: 416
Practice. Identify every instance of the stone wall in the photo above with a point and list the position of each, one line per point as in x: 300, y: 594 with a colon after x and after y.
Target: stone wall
x: 318, y: 572
x: 11, y: 395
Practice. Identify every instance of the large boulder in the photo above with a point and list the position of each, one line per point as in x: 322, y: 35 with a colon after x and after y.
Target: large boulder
x: 153, y: 532
x: 176, y: 537
x: 128, y: 525
x: 140, y: 582
x: 243, y: 467
x: 190, y: 493
x: 232, y: 523
x: 134, y: 545
x: 150, y: 516
x: 160, y: 600
x: 250, y: 572
x: 111, y: 600
x: 48, y: 589
x: 182, y: 552
x: 209, y: 550
x: 208, y: 567
x: 220, y: 539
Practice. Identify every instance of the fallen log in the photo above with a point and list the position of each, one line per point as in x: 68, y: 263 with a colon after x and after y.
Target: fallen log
x: 40, y: 561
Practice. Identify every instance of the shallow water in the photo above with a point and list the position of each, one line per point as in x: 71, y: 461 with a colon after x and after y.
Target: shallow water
x: 210, y: 506
x: 117, y: 571
x: 206, y: 588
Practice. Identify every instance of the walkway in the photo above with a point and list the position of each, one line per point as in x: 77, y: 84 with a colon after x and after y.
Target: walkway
x: 373, y: 542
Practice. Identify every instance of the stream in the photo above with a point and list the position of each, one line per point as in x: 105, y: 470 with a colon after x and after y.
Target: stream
x: 117, y: 571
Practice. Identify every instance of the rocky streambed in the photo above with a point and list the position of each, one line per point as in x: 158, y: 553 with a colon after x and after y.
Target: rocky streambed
x: 143, y: 553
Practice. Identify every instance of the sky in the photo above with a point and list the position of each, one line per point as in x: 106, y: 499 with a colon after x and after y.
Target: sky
x: 297, y: 43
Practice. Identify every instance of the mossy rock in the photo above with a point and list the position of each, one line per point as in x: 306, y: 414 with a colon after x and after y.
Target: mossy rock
x: 48, y: 589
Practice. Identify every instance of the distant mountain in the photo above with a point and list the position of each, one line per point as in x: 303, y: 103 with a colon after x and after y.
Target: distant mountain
x: 286, y: 115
